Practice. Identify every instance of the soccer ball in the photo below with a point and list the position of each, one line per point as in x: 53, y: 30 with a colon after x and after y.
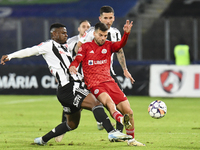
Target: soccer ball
x: 157, y: 109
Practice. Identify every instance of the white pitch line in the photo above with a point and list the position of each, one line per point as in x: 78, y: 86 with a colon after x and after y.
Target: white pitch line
x: 23, y: 101
x: 169, y: 133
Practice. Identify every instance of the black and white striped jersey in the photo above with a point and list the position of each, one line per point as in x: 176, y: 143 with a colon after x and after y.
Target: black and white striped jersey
x: 56, y: 56
x: 113, y: 35
x: 58, y: 59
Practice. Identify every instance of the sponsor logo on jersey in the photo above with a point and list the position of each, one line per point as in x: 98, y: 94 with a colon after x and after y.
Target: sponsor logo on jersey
x: 99, y: 62
x: 62, y: 52
x: 104, y: 51
x: 92, y: 51
x: 90, y: 62
x: 96, y: 91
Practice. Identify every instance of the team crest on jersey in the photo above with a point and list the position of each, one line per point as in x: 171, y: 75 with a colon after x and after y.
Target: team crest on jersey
x: 90, y: 62
x: 104, y: 51
x: 96, y: 91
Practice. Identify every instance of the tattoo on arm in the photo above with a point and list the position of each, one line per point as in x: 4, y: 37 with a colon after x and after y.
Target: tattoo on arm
x: 121, y: 58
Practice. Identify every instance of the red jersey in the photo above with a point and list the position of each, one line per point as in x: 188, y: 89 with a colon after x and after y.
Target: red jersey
x: 96, y: 60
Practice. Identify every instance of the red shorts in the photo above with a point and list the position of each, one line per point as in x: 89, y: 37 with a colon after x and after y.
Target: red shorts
x: 112, y: 89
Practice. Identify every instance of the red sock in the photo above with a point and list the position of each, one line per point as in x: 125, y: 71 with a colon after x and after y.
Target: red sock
x: 116, y: 115
x: 130, y: 132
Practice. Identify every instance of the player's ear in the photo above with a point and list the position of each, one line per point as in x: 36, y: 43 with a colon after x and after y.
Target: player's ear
x: 78, y: 29
x: 94, y: 33
x: 53, y: 34
x: 100, y: 18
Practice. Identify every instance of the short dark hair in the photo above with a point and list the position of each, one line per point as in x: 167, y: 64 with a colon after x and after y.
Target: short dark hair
x: 83, y: 21
x: 55, y: 26
x: 101, y: 26
x: 106, y: 9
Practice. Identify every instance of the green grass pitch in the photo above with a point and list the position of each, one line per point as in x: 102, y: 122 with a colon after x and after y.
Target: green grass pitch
x: 23, y: 118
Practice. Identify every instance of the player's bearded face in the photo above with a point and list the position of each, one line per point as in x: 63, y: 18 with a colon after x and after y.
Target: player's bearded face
x: 100, y: 37
x: 107, y: 18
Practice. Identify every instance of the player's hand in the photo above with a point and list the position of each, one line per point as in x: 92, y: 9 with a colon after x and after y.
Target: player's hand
x: 4, y: 58
x: 127, y: 27
x: 73, y: 70
x: 128, y: 75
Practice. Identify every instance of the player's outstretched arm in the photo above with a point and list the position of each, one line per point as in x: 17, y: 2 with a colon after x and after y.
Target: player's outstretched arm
x: 4, y: 59
x: 27, y: 52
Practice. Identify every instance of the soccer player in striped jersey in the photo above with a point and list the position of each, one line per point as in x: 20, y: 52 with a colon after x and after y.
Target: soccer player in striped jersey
x: 96, y: 59
x: 71, y: 43
x: 107, y: 17
x: 72, y: 96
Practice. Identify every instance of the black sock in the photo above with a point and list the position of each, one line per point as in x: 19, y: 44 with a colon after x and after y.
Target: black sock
x: 63, y: 116
x: 102, y: 117
x: 59, y: 130
x: 119, y: 126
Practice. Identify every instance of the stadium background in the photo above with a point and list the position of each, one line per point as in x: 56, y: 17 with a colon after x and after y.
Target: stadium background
x: 158, y: 26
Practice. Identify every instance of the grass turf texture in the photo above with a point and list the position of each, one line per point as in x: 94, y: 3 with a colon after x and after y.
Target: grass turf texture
x: 24, y: 118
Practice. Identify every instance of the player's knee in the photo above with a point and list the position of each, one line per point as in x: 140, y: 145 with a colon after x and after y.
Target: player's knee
x: 73, y: 125
x: 95, y: 103
x: 129, y: 112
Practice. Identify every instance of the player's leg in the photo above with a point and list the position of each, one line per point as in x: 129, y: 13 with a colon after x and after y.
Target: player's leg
x: 106, y: 100
x: 71, y: 124
x: 119, y: 126
x: 91, y: 103
x: 102, y: 92
x: 60, y: 137
x: 125, y: 108
x: 63, y: 116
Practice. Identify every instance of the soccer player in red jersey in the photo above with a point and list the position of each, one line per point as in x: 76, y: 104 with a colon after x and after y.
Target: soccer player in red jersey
x: 96, y: 58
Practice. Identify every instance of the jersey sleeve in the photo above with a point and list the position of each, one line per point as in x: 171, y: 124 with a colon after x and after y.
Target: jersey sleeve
x: 88, y: 36
x: 44, y: 47
x: 116, y: 46
x: 79, y: 57
x: 27, y: 52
